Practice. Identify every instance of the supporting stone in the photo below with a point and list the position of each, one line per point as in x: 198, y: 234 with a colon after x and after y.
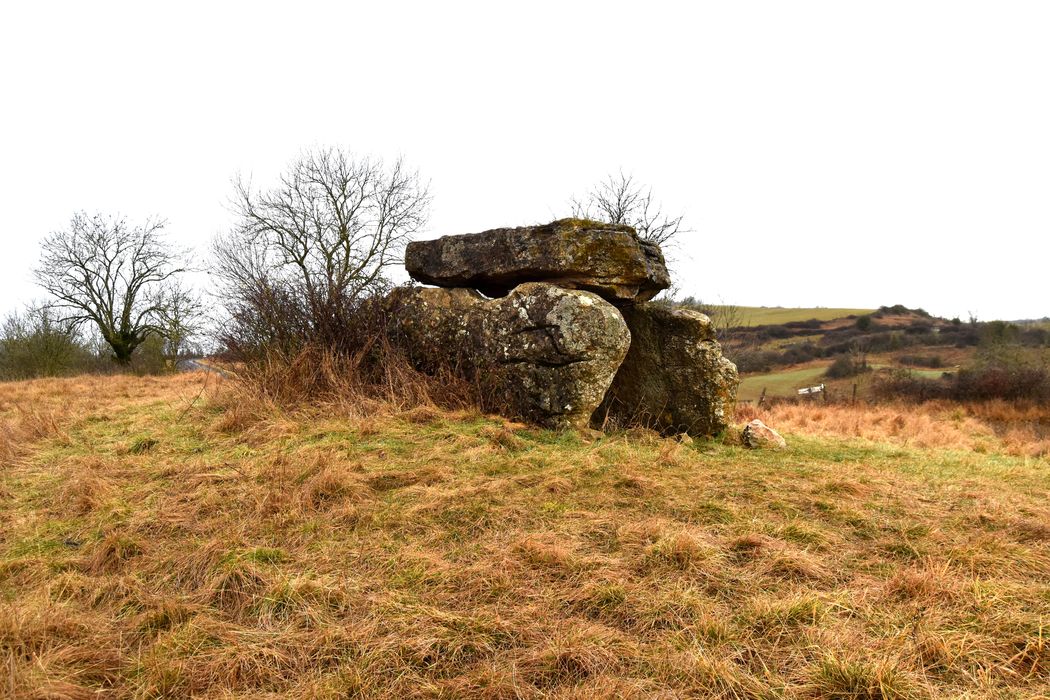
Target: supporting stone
x: 541, y: 353
x: 674, y: 378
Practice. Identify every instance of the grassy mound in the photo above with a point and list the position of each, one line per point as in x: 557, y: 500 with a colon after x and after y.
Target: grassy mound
x: 156, y: 541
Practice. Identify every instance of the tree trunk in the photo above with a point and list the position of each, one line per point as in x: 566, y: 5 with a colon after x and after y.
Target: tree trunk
x: 122, y: 349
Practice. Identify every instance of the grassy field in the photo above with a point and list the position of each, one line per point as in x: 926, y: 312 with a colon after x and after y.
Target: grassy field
x: 771, y: 315
x: 930, y: 373
x: 784, y: 383
x: 160, y: 538
x: 787, y: 382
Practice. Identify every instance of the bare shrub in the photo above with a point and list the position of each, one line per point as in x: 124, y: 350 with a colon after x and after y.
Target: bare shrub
x: 309, y: 254
x: 36, y: 343
x: 359, y: 382
x: 302, y: 277
x: 619, y: 199
x: 846, y: 366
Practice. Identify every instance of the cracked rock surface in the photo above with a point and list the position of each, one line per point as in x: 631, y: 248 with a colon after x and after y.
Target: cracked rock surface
x: 542, y: 353
x: 607, y: 259
x: 674, y: 378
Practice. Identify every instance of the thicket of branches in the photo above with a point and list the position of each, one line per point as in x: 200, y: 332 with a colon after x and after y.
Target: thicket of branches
x: 302, y: 276
x: 1008, y: 382
x: 620, y: 199
x: 36, y: 343
x: 310, y: 255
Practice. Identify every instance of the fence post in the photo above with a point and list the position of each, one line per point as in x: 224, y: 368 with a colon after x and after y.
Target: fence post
x: 761, y: 397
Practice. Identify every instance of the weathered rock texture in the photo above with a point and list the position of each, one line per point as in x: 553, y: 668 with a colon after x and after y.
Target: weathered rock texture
x: 542, y: 353
x: 607, y: 259
x: 757, y: 435
x: 674, y: 378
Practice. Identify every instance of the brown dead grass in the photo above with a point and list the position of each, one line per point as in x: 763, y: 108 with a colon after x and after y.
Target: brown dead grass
x: 32, y: 410
x: 994, y: 426
x: 153, y: 547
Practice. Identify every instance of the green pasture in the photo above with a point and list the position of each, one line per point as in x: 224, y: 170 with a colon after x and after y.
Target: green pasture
x: 773, y: 315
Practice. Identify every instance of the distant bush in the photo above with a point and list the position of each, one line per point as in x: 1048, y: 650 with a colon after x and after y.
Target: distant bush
x: 797, y: 354
x: 918, y: 328
x: 1008, y: 383
x: 811, y: 324
x: 863, y: 323
x: 999, y: 333
x: 36, y: 344
x: 753, y: 360
x: 1034, y: 337
x: 1003, y: 383
x: 846, y: 366
x: 900, y: 310
x: 931, y: 361
x: 150, y: 356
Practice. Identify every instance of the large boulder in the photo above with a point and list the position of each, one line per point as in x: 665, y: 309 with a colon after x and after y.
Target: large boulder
x: 607, y: 259
x: 674, y: 378
x: 541, y: 353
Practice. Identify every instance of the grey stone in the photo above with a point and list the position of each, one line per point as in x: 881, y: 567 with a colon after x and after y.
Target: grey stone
x: 607, y: 259
x: 541, y: 353
x: 674, y: 378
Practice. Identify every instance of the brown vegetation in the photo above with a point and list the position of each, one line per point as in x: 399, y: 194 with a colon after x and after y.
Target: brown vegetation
x: 1013, y: 428
x: 376, y: 378
x: 156, y: 545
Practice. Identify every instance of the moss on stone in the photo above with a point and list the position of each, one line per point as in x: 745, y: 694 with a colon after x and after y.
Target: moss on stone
x: 575, y: 224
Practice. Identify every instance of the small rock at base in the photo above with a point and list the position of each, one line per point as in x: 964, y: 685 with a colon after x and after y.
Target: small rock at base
x: 758, y: 435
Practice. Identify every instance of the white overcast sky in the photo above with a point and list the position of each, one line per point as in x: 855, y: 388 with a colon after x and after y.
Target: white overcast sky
x: 825, y: 153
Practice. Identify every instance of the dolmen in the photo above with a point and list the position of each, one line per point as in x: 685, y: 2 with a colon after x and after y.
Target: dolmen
x: 556, y: 325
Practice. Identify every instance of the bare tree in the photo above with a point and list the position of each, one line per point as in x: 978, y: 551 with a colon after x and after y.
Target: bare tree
x: 620, y: 200
x: 181, y: 317
x: 103, y: 271
x: 308, y: 252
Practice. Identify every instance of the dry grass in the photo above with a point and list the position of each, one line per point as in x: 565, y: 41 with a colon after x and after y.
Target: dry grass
x: 994, y: 426
x: 36, y: 409
x: 379, y: 378
x: 153, y: 547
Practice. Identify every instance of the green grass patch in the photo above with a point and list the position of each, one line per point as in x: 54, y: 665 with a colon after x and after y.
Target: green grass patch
x: 775, y: 315
x: 784, y: 383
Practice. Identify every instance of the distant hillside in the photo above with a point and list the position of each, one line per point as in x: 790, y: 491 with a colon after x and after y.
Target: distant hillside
x: 774, y: 315
x: 779, y: 350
